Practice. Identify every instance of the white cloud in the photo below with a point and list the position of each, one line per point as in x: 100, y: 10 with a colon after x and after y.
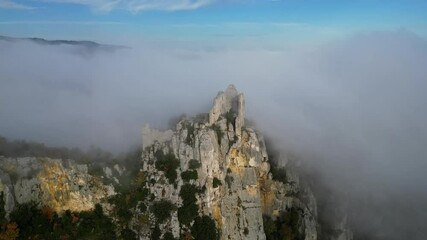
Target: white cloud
x: 7, y: 4
x: 167, y: 5
x: 60, y: 22
x: 136, y: 6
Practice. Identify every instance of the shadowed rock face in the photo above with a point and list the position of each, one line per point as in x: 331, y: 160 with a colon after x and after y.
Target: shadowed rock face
x: 236, y: 155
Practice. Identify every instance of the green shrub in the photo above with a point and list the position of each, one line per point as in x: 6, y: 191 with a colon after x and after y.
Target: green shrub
x: 155, y: 233
x: 194, y: 164
x: 95, y: 225
x: 124, y: 214
x: 290, y: 223
x: 188, y: 193
x: 278, y: 173
x: 127, y: 199
x: 159, y: 155
x: 285, y: 227
x: 34, y: 223
x: 153, y: 181
x: 270, y: 228
x: 189, y: 210
x: 216, y: 182
x: 141, y: 193
x: 204, y: 228
x: 162, y: 210
x: 31, y: 221
x: 128, y: 234
x: 168, y: 236
x: 189, y: 174
x: 187, y: 213
x: 2, y: 211
x: 142, y: 207
x: 168, y: 164
x: 66, y: 221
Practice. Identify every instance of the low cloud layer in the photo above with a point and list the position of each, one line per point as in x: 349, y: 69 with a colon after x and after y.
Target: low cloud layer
x: 353, y: 109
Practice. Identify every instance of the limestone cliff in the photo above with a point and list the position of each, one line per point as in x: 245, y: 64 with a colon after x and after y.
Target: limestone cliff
x: 60, y: 184
x: 235, y: 186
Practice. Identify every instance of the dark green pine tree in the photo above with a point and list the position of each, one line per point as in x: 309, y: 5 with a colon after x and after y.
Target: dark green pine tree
x: 2, y: 211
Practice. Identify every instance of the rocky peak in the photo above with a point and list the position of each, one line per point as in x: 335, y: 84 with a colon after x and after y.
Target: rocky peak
x: 233, y: 178
x: 229, y: 102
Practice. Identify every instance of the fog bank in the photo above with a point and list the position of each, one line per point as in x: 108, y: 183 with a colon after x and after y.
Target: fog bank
x: 353, y: 109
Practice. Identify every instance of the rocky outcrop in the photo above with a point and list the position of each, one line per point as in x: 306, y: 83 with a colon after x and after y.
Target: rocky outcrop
x: 60, y: 184
x: 235, y: 185
x: 226, y: 104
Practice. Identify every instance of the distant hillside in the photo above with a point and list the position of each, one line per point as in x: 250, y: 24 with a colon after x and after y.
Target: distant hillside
x: 86, y: 44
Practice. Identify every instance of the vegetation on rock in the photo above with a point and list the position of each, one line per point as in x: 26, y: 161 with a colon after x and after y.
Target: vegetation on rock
x: 189, y: 209
x: 8, y: 230
x: 168, y: 164
x: 128, y: 234
x: 189, y: 175
x: 168, y: 236
x: 194, y: 164
x: 285, y: 227
x: 216, y: 182
x: 156, y: 233
x: 34, y: 223
x: 2, y: 211
x: 162, y: 210
x: 204, y: 228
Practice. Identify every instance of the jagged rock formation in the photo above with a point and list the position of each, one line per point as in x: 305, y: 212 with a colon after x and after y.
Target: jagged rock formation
x: 60, y: 184
x: 227, y: 101
x: 235, y: 185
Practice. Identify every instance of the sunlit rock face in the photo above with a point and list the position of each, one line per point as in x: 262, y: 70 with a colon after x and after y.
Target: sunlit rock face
x: 236, y: 155
x: 60, y: 184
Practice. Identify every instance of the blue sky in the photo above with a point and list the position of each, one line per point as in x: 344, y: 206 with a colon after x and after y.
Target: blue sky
x: 218, y: 21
